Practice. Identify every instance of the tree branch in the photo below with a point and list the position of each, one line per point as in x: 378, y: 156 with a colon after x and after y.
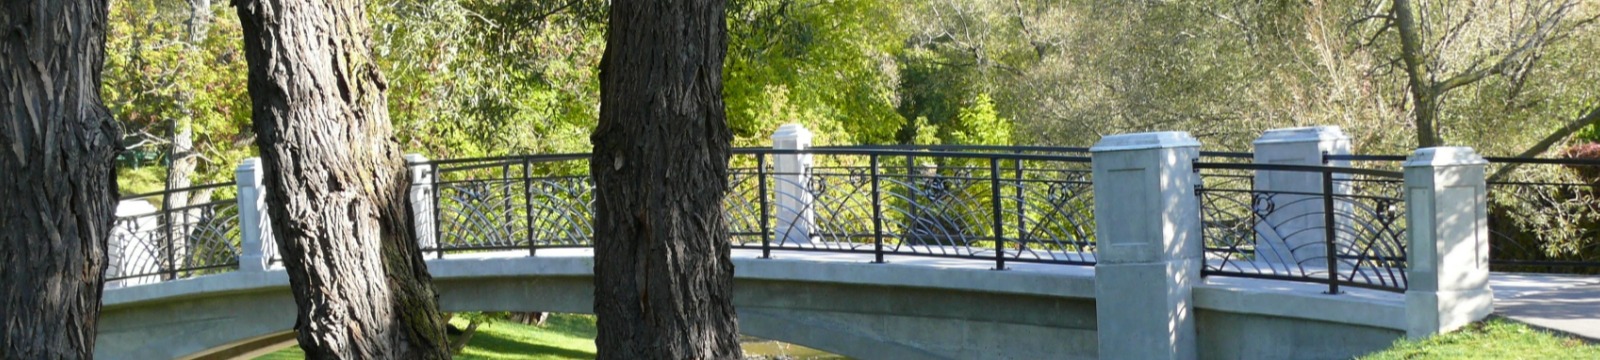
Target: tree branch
x: 1550, y: 140
x: 1470, y: 76
x: 1538, y: 37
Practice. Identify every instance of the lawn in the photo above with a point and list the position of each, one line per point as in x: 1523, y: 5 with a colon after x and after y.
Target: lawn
x: 570, y: 336
x: 1492, y: 339
x: 563, y: 336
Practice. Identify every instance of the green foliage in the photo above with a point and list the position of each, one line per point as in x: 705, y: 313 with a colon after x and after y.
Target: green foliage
x: 158, y: 72
x: 482, y: 317
x: 142, y: 180
x: 1492, y: 339
x: 978, y: 124
x: 1589, y: 133
x: 816, y: 62
x: 924, y: 133
x: 491, y: 77
x: 1552, y: 222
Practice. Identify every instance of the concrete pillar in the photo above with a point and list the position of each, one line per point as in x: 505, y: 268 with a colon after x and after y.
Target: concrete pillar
x: 791, y: 185
x: 1297, y: 221
x: 421, y: 197
x: 255, y: 228
x: 1448, y: 246
x: 1149, y: 251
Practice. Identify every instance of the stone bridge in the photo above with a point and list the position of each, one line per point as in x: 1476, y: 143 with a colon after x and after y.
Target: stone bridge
x: 908, y: 308
x: 970, y: 252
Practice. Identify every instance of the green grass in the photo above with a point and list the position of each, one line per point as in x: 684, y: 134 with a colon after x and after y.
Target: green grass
x: 563, y: 336
x: 1492, y: 339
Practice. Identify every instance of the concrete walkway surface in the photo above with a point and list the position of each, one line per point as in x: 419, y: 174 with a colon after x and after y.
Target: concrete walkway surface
x: 1563, y: 303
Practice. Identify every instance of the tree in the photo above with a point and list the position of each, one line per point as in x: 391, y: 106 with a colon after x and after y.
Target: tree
x: 336, y: 183
x: 175, y: 66
x: 1532, y: 26
x: 820, y: 63
x: 663, y: 277
x: 57, y: 143
x: 492, y: 77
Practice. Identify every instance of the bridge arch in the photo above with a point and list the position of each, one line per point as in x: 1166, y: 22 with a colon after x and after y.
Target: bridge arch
x: 853, y: 308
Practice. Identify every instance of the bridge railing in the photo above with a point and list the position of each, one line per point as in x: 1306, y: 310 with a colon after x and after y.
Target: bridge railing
x: 1542, y: 212
x: 1000, y: 204
x: 504, y: 203
x: 1025, y: 205
x: 152, y: 241
x: 1346, y: 229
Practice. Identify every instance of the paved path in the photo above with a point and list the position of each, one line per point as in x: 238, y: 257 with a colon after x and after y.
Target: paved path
x: 1564, y: 303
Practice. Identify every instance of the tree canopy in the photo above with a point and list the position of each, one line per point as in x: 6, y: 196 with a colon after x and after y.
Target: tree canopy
x: 495, y: 77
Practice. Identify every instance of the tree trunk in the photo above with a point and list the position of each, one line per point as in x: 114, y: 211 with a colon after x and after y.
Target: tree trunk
x: 180, y: 166
x: 465, y: 337
x: 337, y: 183
x: 663, y: 279
x: 57, y: 143
x: 1423, y: 97
x: 199, y: 21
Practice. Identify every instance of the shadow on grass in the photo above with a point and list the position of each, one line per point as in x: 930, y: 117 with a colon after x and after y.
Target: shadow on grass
x: 513, y: 349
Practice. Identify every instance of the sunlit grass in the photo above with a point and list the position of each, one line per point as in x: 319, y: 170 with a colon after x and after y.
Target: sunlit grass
x: 1492, y: 339
x: 563, y: 336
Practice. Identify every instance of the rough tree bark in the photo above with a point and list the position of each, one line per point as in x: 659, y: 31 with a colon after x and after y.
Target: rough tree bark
x: 337, y: 183
x: 663, y: 279
x: 57, y: 143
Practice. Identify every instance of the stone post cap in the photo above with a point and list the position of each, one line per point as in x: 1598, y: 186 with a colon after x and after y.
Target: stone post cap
x: 1149, y: 140
x: 791, y: 131
x: 1301, y: 134
x: 135, y: 207
x: 248, y: 173
x: 419, y: 174
x: 1445, y: 156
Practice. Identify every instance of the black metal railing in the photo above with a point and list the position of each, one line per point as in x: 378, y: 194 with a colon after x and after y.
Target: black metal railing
x: 172, y: 242
x: 1008, y: 204
x: 1544, y: 213
x: 515, y: 202
x: 1337, y: 226
x: 1000, y: 203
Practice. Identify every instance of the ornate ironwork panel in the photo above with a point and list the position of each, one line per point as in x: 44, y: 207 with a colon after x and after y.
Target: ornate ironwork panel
x: 518, y: 203
x: 1545, y: 217
x: 177, y: 242
x: 1048, y: 211
x: 742, y: 205
x: 1285, y: 234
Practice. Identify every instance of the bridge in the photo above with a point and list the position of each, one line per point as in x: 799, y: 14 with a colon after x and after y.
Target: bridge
x: 930, y: 252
